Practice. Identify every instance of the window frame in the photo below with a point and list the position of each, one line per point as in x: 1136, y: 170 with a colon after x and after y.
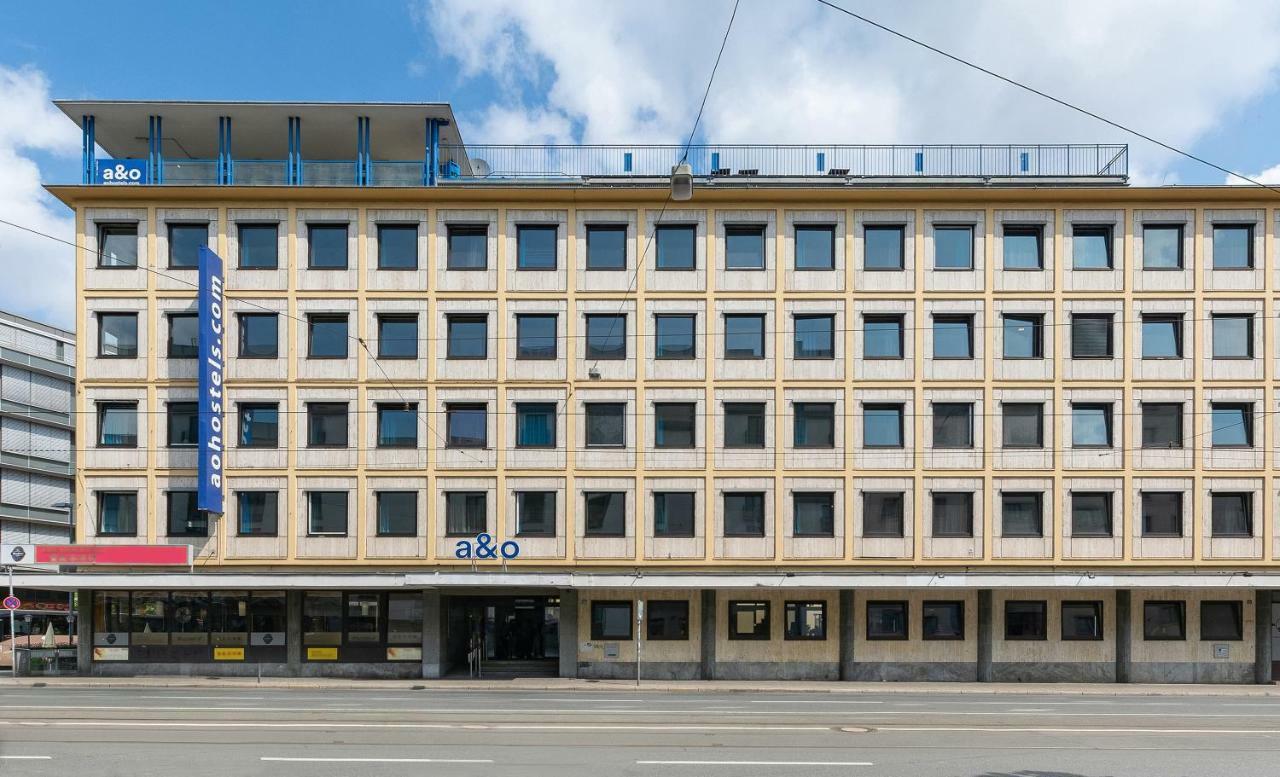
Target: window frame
x: 240, y: 244
x: 762, y: 318
x: 521, y: 353
x: 598, y: 606
x: 746, y: 230
x: 324, y: 227
x: 958, y: 605
x: 830, y: 353
x: 1108, y: 418
x: 660, y: 411
x: 396, y: 318
x: 1249, y: 229
x: 1164, y: 226
x: 270, y: 497
x: 968, y: 417
x: 381, y: 526
x: 1036, y: 498
x: 242, y: 330
x: 1179, y: 514
x: 615, y: 498
x: 792, y: 607
x: 827, y: 499
x: 1098, y: 608
x: 1180, y: 607
x: 181, y: 316
x: 732, y: 413
x: 170, y: 226
x: 328, y: 318
x: 1246, y: 503
x: 193, y: 524
x: 901, y: 229
x: 1246, y: 423
x: 312, y: 496
x: 593, y: 351
x: 102, y: 408
x: 450, y: 319
x: 100, y: 498
x: 1022, y: 230
x: 658, y: 319
x: 830, y: 230
x: 1161, y: 412
x: 879, y: 497
x: 381, y: 408
x: 664, y: 511
x: 465, y: 407
x: 192, y: 409
x: 1036, y: 322
x: 802, y: 410
x: 535, y: 407
x: 103, y: 316
x: 900, y: 409
x: 953, y: 318
x: 321, y: 410
x: 587, y: 409
x: 1109, y: 318
x: 463, y: 230
x: 971, y: 229
x: 654, y: 607
x: 659, y: 231
x: 756, y: 497
x: 1236, y: 608
x: 521, y: 230
x: 520, y: 496
x: 254, y: 406
x: 123, y: 229
x: 934, y: 496
x: 591, y: 229
x: 1038, y: 607
x: 1250, y: 324
x: 1175, y: 319
x: 763, y: 629
x: 887, y: 604
x: 899, y: 320
x: 1005, y: 426
x: 468, y: 498
x: 1108, y: 500
x: 1106, y: 232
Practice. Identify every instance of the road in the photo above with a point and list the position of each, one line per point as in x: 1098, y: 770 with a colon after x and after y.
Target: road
x: 199, y: 732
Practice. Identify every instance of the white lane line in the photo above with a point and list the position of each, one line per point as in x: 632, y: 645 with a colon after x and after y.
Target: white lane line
x: 205, y: 698
x: 811, y: 701
x: 756, y: 763
x: 26, y: 758
x: 431, y: 726
x: 381, y: 760
x: 998, y: 730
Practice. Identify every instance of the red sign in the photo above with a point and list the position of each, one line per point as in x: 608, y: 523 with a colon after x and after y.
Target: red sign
x: 12, y: 602
x: 118, y: 555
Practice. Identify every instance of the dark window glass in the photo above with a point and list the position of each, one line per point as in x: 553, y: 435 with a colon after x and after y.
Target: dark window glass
x: 258, y: 513
x: 1232, y: 246
x: 397, y: 513
x: 667, y: 619
x: 468, y: 337
x: 118, y: 245
x: 749, y: 620
x: 744, y: 514
x: 952, y: 337
x: 535, y: 513
x: 676, y: 247
x: 1090, y: 425
x: 397, y: 246
x: 1081, y: 621
x: 942, y: 620
x: 259, y: 246
x: 744, y: 247
x: 468, y: 247
x: 536, y: 247
x: 674, y: 336
x: 953, y: 247
x: 184, y: 329
x: 259, y: 335
x: 183, y: 424
x: 1022, y: 424
x: 744, y: 336
x: 1021, y: 515
x: 882, y: 426
x: 1221, y: 621
x: 1232, y: 424
x: 185, y: 242
x: 1091, y: 336
x: 118, y: 513
x: 1162, y: 247
x: 327, y: 514
x: 1162, y: 424
x: 744, y: 424
x: 1232, y: 336
x: 1022, y: 247
x: 606, y: 424
x: 322, y: 618
x: 814, y: 514
x: 535, y: 425
x: 882, y: 337
x: 814, y: 424
x: 1164, y: 620
x: 327, y: 336
x: 815, y: 336
x: 398, y: 336
x: 118, y: 335
x: 259, y: 424
x: 464, y: 513
x: 953, y: 424
x: 327, y: 246
x: 398, y: 425
x: 536, y: 336
x: 883, y: 247
x: 606, y: 336
x: 886, y: 620
x: 1161, y: 336
x: 611, y: 621
x: 1026, y: 620
x: 606, y: 246
x: 882, y: 513
x: 117, y: 424
x: 805, y: 620
x: 1023, y: 336
x: 952, y: 514
x: 815, y: 247
x: 1232, y: 514
x: 673, y: 513
x: 326, y: 424
x: 1162, y: 513
x: 466, y: 426
x: 183, y: 519
x: 1091, y: 247
x: 606, y: 513
x: 674, y: 424
x: 1091, y: 514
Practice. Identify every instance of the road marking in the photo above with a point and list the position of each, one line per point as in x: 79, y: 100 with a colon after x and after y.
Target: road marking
x: 1000, y: 730
x: 432, y: 726
x: 756, y: 763
x: 26, y: 758
x: 381, y: 760
x: 811, y: 701
x: 214, y: 698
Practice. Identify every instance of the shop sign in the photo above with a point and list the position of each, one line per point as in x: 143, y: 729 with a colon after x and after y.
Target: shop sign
x: 322, y: 654
x: 483, y: 547
x: 209, y: 443
x: 122, y: 555
x: 228, y: 654
x: 404, y: 654
x: 111, y: 654
x: 122, y: 172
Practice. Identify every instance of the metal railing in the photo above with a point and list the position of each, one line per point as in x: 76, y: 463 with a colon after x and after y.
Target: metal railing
x: 260, y: 172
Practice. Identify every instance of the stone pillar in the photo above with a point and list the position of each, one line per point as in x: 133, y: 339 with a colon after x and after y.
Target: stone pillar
x: 1124, y: 636
x: 984, y: 635
x: 568, y: 632
x: 708, y: 635
x: 293, y: 633
x: 1262, y: 637
x: 433, y: 649
x: 846, y: 634
x: 84, y: 630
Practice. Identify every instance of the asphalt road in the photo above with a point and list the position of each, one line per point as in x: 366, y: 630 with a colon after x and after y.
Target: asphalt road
x: 139, y: 732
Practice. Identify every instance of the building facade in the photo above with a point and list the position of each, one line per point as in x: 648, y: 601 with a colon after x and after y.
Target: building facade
x: 960, y: 414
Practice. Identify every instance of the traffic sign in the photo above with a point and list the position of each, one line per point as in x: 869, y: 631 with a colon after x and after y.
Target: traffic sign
x: 11, y: 602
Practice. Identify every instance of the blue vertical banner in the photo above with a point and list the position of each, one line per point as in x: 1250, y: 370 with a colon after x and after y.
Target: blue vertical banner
x: 209, y: 381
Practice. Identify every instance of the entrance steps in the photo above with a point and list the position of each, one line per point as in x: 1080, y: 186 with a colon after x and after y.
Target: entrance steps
x: 509, y: 670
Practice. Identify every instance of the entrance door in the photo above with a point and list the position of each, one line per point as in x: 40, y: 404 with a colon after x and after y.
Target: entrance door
x: 504, y: 629
x: 1275, y: 640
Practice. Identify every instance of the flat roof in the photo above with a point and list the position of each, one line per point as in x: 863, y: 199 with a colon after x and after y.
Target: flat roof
x: 38, y: 326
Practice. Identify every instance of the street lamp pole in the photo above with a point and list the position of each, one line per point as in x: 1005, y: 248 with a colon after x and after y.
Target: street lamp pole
x: 13, y: 632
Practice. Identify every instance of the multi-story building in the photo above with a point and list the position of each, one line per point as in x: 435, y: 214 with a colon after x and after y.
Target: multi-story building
x: 849, y: 412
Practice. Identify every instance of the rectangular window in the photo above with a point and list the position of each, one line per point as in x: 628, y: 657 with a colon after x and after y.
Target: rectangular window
x: 117, y: 513
x: 882, y: 426
x: 467, y: 336
x: 397, y: 425
x: 1021, y: 514
x: 117, y: 424
x: 1162, y: 424
x: 1091, y: 514
x: 744, y: 514
x: 1091, y: 336
x: 536, y: 336
x: 886, y: 620
x: 1233, y: 246
x: 882, y: 513
x: 327, y: 336
x: 327, y: 246
x: 536, y: 246
x: 397, y: 246
x: 185, y: 242
x: 183, y: 424
x: 674, y: 424
x: 468, y: 247
x: 535, y: 425
x: 398, y: 336
x: 953, y: 247
x: 183, y: 519
x: 118, y: 245
x: 1081, y: 621
x: 674, y: 336
x: 1161, y: 513
x: 1022, y: 424
x: 1232, y: 336
x: 1091, y: 247
x: 882, y: 337
x: 1161, y: 336
x: 327, y: 513
x: 814, y: 424
x: 676, y: 247
x: 744, y: 424
x: 883, y: 247
x: 259, y: 246
x: 404, y: 618
x: 805, y: 621
x: 1023, y: 336
x: 1221, y: 621
x: 1164, y: 621
x: 744, y: 247
x: 749, y: 620
x: 183, y: 330
x: 535, y: 513
x: 743, y: 336
x: 397, y: 513
x: 1023, y: 249
x: 1026, y: 620
x: 606, y: 424
x: 466, y: 426
x: 667, y: 619
x: 952, y: 424
x: 259, y: 335
x: 815, y: 336
x: 259, y: 424
x: 814, y: 514
x: 326, y: 424
x: 611, y: 621
x: 1162, y: 246
x: 1231, y: 424
x: 606, y: 513
x: 118, y: 335
x: 673, y: 513
x: 952, y: 337
x: 1232, y: 514
x: 465, y: 513
x: 322, y: 618
x: 606, y: 336
x: 606, y: 246
x: 1090, y: 425
x: 952, y: 514
x: 815, y: 247
x: 257, y: 513
x: 942, y: 620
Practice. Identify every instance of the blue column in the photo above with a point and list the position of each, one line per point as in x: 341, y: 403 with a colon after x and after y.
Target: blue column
x: 155, y: 150
x: 293, y: 166
x: 364, y: 164
x: 224, y: 151
x: 88, y: 150
x: 433, y: 151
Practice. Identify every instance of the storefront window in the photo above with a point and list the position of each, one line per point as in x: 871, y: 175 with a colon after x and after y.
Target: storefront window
x: 322, y: 618
x: 110, y: 619
x: 189, y: 618
x: 404, y: 619
x: 229, y: 612
x: 148, y: 625
x: 363, y: 613
x: 267, y: 622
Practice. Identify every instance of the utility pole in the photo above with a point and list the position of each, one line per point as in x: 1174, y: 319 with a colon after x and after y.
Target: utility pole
x: 13, y: 631
x: 639, y: 639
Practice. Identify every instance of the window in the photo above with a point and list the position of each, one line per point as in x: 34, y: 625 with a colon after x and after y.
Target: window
x: 606, y: 246
x: 1026, y: 620
x: 1232, y: 514
x: 952, y: 424
x: 185, y: 242
x: 183, y: 333
x: 815, y: 247
x: 327, y: 336
x: 1091, y: 247
x: 182, y: 517
x: 1023, y: 336
x: 535, y: 513
x: 259, y: 246
x: 118, y: 245
x: 1091, y: 336
x: 397, y: 425
x: 1023, y: 248
x: 814, y: 424
x: 744, y: 424
x: 1164, y: 621
x: 1091, y: 514
x: 535, y: 425
x: 886, y: 620
x: 322, y: 618
x: 1081, y: 621
x: 118, y: 335
x: 117, y: 424
x: 1161, y: 513
x: 536, y: 336
x: 606, y: 424
x: 326, y: 424
x: 953, y: 247
x: 814, y: 514
x: 258, y: 513
x: 259, y: 335
x: 397, y: 246
x: 1022, y: 424
x: 606, y: 336
x: 815, y: 336
x: 883, y: 247
x: 882, y: 513
x: 397, y: 513
x: 183, y: 424
x: 749, y: 620
x: 882, y: 337
x: 673, y: 513
x: 743, y: 336
x: 259, y: 425
x: 536, y: 247
x: 117, y: 513
x: 1233, y: 246
x: 744, y: 514
x: 1232, y: 336
x: 466, y: 426
x: 606, y: 513
x: 952, y: 337
x: 467, y: 336
x: 673, y: 424
x: 327, y: 246
x: 327, y: 513
x: 882, y: 426
x: 805, y: 620
x: 942, y: 620
x: 1162, y: 424
x: 468, y: 247
x: 1232, y: 424
x: 464, y: 513
x: 1161, y: 336
x: 1020, y: 514
x: 744, y: 247
x: 1221, y: 621
x: 952, y: 514
x: 676, y: 247
x: 611, y: 620
x: 1162, y: 246
x: 667, y: 619
x: 1090, y: 425
x: 674, y: 336
x: 398, y: 336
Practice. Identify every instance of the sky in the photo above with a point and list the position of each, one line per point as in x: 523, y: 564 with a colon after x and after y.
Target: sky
x: 1204, y: 77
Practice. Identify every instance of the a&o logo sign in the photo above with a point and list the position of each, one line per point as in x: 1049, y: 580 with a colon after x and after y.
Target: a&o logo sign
x: 483, y: 547
x: 122, y: 171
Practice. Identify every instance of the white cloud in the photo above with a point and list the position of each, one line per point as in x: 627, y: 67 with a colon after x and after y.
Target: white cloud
x: 39, y: 273
x: 1269, y: 176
